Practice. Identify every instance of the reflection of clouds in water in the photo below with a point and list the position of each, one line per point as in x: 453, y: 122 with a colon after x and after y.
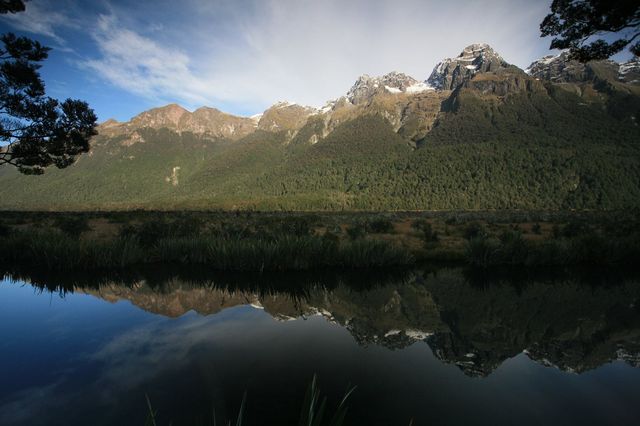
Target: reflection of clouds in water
x: 128, y: 361
x: 137, y: 356
x: 33, y: 406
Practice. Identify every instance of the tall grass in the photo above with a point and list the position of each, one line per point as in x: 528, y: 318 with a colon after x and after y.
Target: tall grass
x: 313, y: 408
x: 582, y: 249
x: 312, y: 411
x: 57, y: 251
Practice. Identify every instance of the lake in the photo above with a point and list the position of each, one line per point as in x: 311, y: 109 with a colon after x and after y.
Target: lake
x: 433, y: 346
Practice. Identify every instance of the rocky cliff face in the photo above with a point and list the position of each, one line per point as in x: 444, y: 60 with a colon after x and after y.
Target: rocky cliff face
x: 629, y: 72
x: 285, y: 116
x: 216, y: 123
x: 561, y: 69
x: 168, y: 116
x: 366, y: 87
x: 412, y: 107
x: 206, y: 121
x: 453, y: 72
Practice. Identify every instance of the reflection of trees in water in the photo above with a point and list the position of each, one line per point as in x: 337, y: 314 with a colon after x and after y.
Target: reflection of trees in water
x: 564, y: 322
x: 575, y: 320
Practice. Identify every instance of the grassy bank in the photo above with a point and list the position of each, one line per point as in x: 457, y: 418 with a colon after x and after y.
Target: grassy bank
x: 250, y: 241
x: 56, y: 251
x: 511, y: 249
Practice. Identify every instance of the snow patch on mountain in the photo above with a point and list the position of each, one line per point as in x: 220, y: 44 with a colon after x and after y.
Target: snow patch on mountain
x: 394, y: 82
x: 475, y: 58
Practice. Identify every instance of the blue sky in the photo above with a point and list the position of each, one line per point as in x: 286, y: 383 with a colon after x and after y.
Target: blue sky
x: 241, y: 56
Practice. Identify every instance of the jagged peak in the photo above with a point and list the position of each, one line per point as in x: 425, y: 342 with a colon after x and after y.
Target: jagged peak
x: 208, y: 109
x: 284, y: 115
x: 393, y: 82
x: 476, y: 52
x: 631, y: 64
x: 561, y: 68
x: 288, y: 105
x: 283, y: 104
x: 169, y: 107
x: 629, y: 72
x: 166, y: 113
x: 475, y: 58
x: 110, y: 122
x: 476, y: 47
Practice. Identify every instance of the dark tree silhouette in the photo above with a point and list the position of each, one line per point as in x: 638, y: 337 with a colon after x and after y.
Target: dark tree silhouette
x: 36, y: 131
x: 575, y: 24
x: 12, y: 6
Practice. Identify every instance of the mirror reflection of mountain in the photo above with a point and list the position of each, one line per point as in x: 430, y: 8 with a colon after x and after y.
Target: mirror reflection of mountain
x: 563, y: 322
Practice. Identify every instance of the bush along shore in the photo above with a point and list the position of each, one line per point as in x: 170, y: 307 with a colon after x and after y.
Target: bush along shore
x: 234, y: 242
x: 510, y: 249
x: 56, y: 251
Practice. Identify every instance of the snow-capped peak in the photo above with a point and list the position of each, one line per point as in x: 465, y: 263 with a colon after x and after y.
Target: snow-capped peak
x: 629, y: 72
x: 283, y: 104
x: 544, y: 61
x: 475, y: 58
x: 394, y: 82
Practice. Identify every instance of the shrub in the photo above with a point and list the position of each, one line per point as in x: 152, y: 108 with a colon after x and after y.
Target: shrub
x: 72, y: 226
x: 429, y: 236
x: 482, y: 251
x: 331, y: 238
x: 514, y: 250
x: 474, y: 230
x: 380, y: 226
x: 574, y: 228
x: 296, y: 226
x: 356, y: 231
x: 4, y: 230
x: 150, y: 232
x: 185, y: 226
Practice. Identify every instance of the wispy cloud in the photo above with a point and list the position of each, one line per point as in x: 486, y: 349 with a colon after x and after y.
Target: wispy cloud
x: 41, y: 19
x: 247, y: 54
x: 143, y: 66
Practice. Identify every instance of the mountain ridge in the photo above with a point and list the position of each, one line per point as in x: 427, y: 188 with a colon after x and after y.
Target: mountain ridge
x: 447, y: 75
x: 491, y: 137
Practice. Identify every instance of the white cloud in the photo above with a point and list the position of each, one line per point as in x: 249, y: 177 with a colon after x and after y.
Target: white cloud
x: 40, y: 19
x: 143, y: 66
x: 247, y: 54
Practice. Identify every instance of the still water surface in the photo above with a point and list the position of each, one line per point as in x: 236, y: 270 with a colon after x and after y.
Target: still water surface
x: 432, y: 347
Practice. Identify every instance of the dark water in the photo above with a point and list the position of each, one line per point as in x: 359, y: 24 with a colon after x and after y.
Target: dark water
x: 444, y: 347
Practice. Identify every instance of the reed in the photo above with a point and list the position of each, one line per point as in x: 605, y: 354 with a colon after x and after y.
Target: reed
x: 56, y: 251
x: 582, y: 249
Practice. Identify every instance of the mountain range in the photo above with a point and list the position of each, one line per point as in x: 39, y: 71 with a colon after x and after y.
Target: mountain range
x: 561, y: 323
x: 478, y: 133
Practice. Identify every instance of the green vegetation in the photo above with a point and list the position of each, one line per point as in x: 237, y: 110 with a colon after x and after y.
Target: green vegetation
x: 56, y: 251
x: 312, y: 411
x: 585, y: 248
x: 590, y: 29
x: 246, y: 241
x: 547, y: 148
x: 313, y: 408
x: 36, y: 131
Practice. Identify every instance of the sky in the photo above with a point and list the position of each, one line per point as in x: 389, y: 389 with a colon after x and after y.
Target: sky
x: 241, y: 56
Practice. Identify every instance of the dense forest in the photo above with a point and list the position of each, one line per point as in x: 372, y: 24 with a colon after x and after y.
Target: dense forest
x: 533, y: 149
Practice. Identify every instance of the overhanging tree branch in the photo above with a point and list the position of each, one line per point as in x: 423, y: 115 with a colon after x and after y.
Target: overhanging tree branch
x: 574, y: 22
x: 42, y: 131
